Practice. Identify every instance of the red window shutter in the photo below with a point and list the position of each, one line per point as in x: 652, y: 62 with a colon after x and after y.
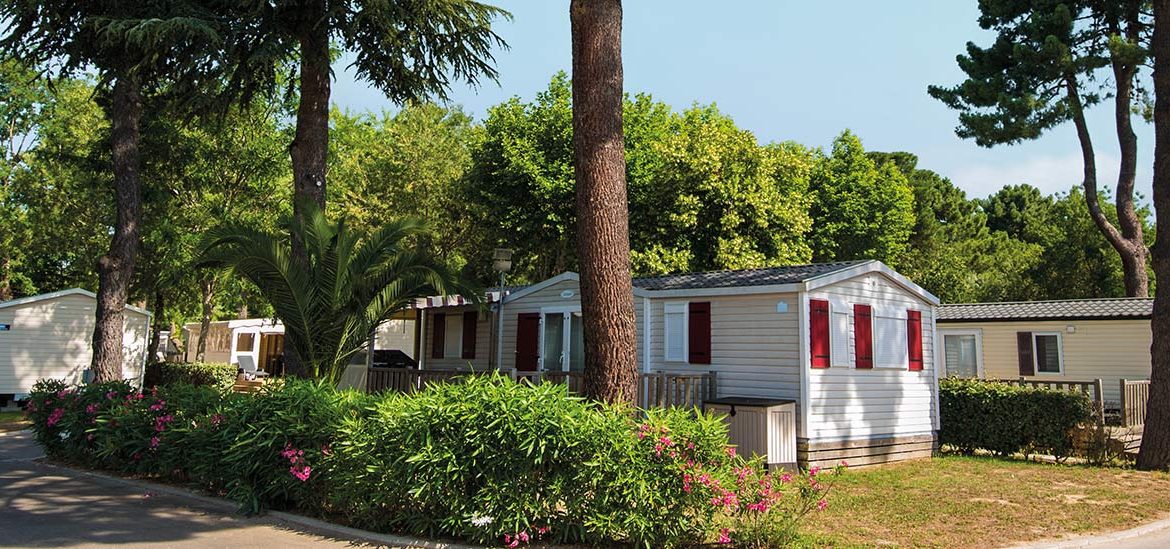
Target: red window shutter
x: 863, y: 335
x: 699, y: 333
x: 527, y: 341
x: 438, y: 335
x: 818, y: 331
x: 914, y: 339
x: 469, y: 319
x: 1024, y: 351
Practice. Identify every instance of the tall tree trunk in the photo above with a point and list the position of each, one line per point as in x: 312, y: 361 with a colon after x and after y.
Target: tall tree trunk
x: 1129, y: 243
x: 1155, y: 449
x: 207, y: 291
x: 5, y: 276
x: 603, y: 242
x: 311, y: 144
x: 117, y: 266
x: 157, y: 328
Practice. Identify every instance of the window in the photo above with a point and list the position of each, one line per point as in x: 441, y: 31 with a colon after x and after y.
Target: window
x: 961, y: 354
x: 839, y: 336
x: 453, y: 336
x: 1047, y: 352
x: 675, y: 319
x: 889, y: 342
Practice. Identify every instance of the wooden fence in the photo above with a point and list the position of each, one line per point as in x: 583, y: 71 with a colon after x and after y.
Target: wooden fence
x: 655, y: 389
x: 1134, y: 394
x: 1094, y: 389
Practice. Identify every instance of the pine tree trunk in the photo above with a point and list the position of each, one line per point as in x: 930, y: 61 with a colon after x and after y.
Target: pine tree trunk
x: 311, y: 144
x: 116, y: 268
x: 207, y: 291
x: 157, y: 328
x: 603, y: 244
x: 1155, y: 449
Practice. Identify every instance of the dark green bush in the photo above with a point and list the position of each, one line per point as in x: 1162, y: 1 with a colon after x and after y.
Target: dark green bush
x: 487, y: 460
x: 1007, y: 419
x: 215, y: 374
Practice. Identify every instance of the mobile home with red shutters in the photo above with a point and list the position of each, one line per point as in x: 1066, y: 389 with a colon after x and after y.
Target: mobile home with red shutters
x: 851, y: 342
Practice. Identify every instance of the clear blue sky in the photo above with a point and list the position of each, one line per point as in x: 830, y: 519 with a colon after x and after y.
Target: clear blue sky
x: 800, y: 71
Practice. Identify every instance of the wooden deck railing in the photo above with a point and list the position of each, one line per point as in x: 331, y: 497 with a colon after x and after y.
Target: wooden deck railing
x: 1094, y: 389
x: 1134, y: 394
x: 655, y: 389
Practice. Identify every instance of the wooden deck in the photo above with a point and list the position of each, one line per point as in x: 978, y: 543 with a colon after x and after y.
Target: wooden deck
x: 655, y: 389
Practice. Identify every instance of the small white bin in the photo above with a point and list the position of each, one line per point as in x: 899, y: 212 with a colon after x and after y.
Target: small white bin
x: 761, y: 426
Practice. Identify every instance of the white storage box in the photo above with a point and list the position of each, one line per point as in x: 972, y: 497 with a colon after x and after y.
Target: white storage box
x: 761, y: 426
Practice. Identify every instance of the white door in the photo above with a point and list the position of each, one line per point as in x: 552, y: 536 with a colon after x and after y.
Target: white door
x: 562, y: 342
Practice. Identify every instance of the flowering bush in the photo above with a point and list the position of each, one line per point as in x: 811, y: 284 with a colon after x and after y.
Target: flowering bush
x: 488, y: 460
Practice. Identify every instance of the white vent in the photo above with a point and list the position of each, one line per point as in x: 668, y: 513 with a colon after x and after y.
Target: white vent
x: 766, y: 430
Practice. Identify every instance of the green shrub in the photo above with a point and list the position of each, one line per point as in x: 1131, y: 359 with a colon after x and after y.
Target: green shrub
x: 1007, y: 419
x: 488, y: 460
x: 215, y: 374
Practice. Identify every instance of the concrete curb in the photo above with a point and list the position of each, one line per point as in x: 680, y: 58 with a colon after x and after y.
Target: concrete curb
x: 229, y: 508
x: 1102, y: 539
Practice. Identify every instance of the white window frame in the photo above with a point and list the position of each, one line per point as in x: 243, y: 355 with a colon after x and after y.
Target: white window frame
x: 942, y: 335
x: 566, y: 313
x: 1059, y: 354
x: 675, y: 307
x: 847, y: 360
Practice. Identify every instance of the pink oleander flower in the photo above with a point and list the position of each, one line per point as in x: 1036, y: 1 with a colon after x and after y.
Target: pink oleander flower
x: 724, y: 537
x: 110, y: 395
x: 91, y: 409
x: 844, y: 463
x: 665, y: 441
x: 216, y: 419
x: 154, y: 442
x: 327, y: 450
x: 89, y: 437
x: 158, y: 406
x: 62, y: 393
x: 55, y: 416
x: 301, y: 472
x: 690, y: 446
x: 731, y: 451
x: 522, y: 536
x: 821, y: 505
x: 813, y: 472
x: 786, y: 478
x: 760, y: 506
x: 543, y: 530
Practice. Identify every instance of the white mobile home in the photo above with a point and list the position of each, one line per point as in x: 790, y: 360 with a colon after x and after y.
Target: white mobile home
x: 50, y: 335
x: 852, y: 343
x: 1050, y: 341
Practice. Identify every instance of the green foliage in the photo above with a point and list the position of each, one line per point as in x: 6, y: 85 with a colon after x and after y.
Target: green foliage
x: 165, y: 374
x: 350, y: 282
x: 488, y: 460
x: 1005, y: 418
x: 861, y: 210
x: 703, y: 194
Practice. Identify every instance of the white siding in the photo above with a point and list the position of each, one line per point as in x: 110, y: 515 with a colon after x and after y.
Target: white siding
x: 454, y: 332
x: 550, y: 298
x: 844, y: 402
x: 754, y: 348
x: 51, y: 339
x: 398, y: 333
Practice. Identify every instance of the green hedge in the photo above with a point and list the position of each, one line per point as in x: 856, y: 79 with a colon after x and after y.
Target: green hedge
x: 216, y: 374
x: 489, y: 460
x: 1006, y: 419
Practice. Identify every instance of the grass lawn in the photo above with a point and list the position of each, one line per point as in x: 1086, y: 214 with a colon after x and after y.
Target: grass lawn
x: 12, y: 421
x: 985, y: 502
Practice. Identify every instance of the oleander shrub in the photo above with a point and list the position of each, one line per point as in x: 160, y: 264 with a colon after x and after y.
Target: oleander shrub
x: 1006, y: 419
x: 488, y: 460
x: 216, y: 374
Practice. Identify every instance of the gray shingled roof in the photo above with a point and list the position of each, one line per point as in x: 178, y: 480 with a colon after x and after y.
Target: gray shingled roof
x: 790, y: 274
x: 1071, y: 309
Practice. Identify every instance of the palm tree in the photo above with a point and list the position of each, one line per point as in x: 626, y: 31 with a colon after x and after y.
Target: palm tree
x: 349, y: 283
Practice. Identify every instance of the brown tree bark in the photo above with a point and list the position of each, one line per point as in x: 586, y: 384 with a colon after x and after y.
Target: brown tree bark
x: 1128, y: 242
x: 603, y: 242
x: 1155, y: 449
x: 310, y: 146
x: 157, y: 326
x: 207, y: 293
x: 5, y: 277
x: 116, y: 267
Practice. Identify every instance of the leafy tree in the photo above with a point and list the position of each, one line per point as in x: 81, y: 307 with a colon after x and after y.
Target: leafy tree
x: 861, y: 210
x: 599, y: 167
x: 411, y: 163
x: 1155, y: 449
x: 1044, y: 69
x: 703, y: 194
x: 135, y: 48
x: 22, y: 97
x: 350, y: 283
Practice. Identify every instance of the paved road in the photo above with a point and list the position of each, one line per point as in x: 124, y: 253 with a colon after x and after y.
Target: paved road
x: 45, y: 506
